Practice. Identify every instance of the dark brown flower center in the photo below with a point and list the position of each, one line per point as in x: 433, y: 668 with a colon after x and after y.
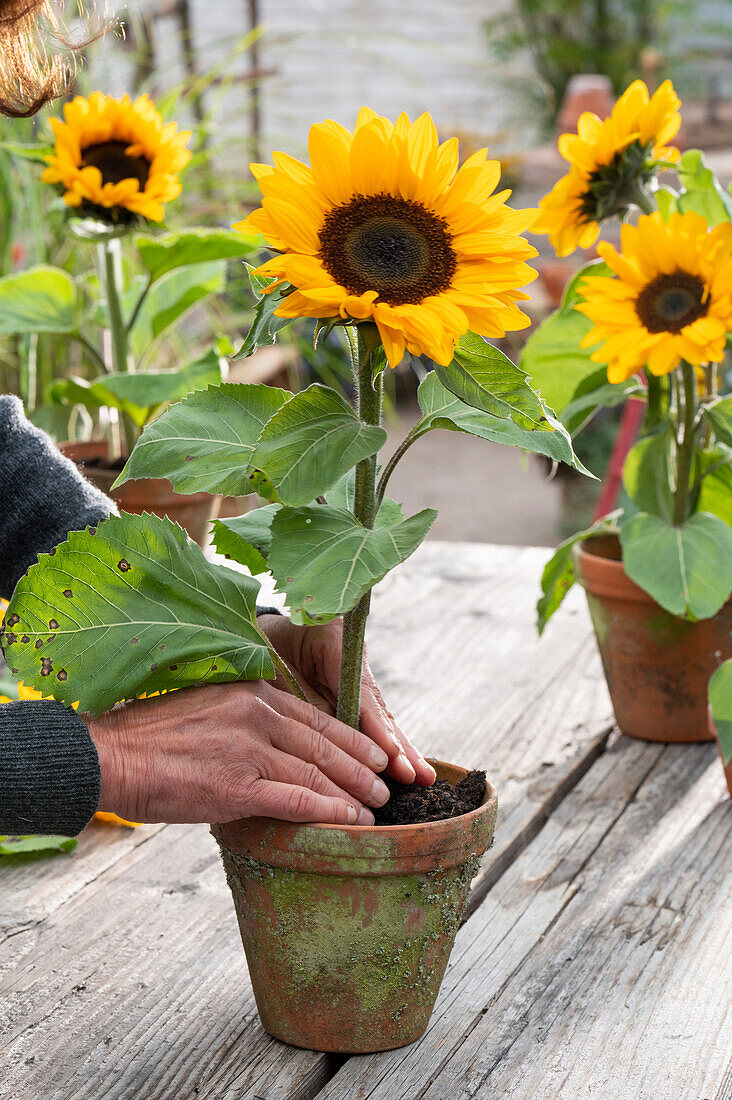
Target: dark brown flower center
x: 391, y: 245
x: 671, y: 302
x: 111, y: 159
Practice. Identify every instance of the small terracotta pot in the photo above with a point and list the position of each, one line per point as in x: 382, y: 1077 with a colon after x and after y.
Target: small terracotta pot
x: 347, y: 930
x: 657, y: 666
x: 156, y: 495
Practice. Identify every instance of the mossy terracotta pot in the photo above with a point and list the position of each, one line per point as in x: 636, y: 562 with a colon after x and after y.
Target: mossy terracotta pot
x: 347, y: 930
x: 657, y: 666
x: 194, y: 513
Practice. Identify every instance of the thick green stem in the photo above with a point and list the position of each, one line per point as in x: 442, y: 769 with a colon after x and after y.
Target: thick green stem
x: 369, y: 398
x: 643, y: 200
x: 111, y: 268
x: 685, y: 444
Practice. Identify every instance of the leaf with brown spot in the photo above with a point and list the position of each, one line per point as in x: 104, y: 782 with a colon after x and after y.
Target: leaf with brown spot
x: 199, y: 612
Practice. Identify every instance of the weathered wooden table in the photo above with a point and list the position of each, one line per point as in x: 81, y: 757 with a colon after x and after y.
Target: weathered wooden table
x: 596, y: 954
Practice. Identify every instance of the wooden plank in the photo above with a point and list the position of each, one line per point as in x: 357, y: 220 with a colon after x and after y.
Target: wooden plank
x: 32, y: 889
x: 597, y: 966
x: 137, y: 986
x: 140, y: 972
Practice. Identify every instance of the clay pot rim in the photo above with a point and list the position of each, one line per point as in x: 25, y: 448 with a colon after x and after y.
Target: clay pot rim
x: 372, y: 850
x: 607, y: 576
x: 490, y: 796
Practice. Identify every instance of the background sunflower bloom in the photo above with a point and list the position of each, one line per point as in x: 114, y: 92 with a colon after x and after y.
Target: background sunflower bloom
x: 670, y: 299
x: 608, y: 165
x: 116, y: 157
x: 385, y: 226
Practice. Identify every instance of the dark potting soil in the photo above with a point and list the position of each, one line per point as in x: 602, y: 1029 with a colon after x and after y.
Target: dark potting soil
x: 411, y: 805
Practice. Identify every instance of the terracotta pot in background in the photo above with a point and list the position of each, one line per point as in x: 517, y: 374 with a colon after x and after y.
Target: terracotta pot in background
x: 194, y: 513
x: 657, y: 666
x: 348, y: 930
x: 81, y: 451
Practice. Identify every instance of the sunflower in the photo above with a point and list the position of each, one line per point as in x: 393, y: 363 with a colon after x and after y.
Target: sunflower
x: 384, y: 226
x: 116, y: 158
x: 671, y: 298
x: 609, y: 165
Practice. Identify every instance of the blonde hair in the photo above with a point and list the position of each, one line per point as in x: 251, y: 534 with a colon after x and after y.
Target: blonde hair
x: 36, y: 57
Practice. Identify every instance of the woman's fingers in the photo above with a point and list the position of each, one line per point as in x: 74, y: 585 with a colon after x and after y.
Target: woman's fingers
x: 317, y: 750
x: 288, y: 802
x: 353, y: 742
x: 407, y: 764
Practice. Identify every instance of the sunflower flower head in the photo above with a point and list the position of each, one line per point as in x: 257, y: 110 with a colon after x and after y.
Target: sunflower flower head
x: 385, y: 226
x: 610, y: 162
x: 670, y: 297
x: 116, y: 158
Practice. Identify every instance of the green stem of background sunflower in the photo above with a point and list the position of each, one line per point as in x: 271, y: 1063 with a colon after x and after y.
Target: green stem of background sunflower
x: 643, y: 200
x: 111, y: 267
x: 363, y: 339
x: 686, y: 445
x: 110, y: 264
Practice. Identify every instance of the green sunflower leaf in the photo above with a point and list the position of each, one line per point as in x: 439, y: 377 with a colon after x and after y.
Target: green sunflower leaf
x: 171, y: 297
x: 324, y: 560
x: 559, y: 572
x: 308, y: 444
x: 441, y: 409
x: 596, y: 393
x: 205, y: 442
x: 715, y: 488
x: 572, y: 291
x: 248, y: 538
x: 265, y: 325
x: 555, y: 362
x: 25, y: 845
x: 647, y: 473
x: 719, y: 416
x: 40, y: 299
x: 701, y: 190
x: 720, y: 700
x: 191, y: 246
x: 139, y: 394
x: 485, y: 378
x: 133, y: 608
x: 686, y: 569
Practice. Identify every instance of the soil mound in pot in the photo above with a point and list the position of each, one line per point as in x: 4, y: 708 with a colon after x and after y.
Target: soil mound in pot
x: 412, y: 805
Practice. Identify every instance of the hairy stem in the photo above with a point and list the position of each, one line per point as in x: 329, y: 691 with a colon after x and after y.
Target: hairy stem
x: 285, y: 671
x: 369, y: 398
x: 685, y: 444
x: 391, y: 465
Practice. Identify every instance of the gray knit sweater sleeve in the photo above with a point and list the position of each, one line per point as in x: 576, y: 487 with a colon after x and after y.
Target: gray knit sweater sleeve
x: 49, y: 770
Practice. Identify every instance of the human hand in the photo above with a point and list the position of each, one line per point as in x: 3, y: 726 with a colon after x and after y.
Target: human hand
x: 314, y: 652
x: 226, y: 751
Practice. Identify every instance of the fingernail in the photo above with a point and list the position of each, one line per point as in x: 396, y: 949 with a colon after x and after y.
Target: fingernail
x: 407, y: 764
x: 352, y: 814
x: 379, y: 792
x: 427, y: 765
x: 365, y: 818
x: 378, y: 758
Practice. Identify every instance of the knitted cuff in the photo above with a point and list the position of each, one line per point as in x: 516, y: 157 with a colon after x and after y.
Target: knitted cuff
x: 49, y: 770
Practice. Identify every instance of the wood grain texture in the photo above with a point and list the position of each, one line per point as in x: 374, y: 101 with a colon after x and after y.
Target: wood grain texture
x: 598, y: 966
x: 131, y: 983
